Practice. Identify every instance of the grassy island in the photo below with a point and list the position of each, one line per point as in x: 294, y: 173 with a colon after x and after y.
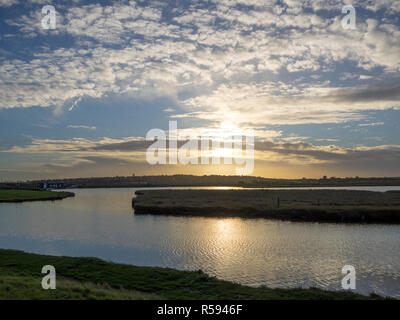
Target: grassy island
x: 32, y: 195
x: 90, y: 278
x: 296, y: 205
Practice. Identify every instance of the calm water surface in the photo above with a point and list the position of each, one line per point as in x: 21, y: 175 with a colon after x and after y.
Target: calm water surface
x: 101, y: 223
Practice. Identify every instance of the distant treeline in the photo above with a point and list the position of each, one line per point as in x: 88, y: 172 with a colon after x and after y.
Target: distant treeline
x: 211, y: 180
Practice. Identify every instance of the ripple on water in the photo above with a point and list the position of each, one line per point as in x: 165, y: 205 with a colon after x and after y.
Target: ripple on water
x: 253, y: 252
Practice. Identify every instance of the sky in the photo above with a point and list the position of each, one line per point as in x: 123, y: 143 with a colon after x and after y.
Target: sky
x: 79, y: 100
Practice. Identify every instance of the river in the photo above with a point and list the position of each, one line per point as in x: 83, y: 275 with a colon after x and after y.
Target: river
x: 101, y: 223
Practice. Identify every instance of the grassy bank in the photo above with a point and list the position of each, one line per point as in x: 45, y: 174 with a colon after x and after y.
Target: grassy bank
x: 31, y: 195
x: 297, y: 205
x: 89, y: 278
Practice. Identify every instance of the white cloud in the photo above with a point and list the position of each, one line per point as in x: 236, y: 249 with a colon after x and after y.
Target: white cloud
x: 81, y: 127
x: 168, y: 110
x: 8, y: 3
x: 373, y: 124
x: 130, y: 48
x: 274, y: 103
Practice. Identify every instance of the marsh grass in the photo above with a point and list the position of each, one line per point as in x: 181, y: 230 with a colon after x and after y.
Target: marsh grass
x: 31, y: 195
x: 307, y: 205
x: 90, y: 278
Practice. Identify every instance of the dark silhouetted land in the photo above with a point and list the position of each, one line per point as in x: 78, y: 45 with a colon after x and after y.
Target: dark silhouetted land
x: 297, y: 205
x: 205, y: 181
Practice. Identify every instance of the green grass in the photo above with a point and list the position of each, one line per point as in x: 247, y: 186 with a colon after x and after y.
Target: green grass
x: 90, y: 278
x: 17, y: 286
x: 31, y: 195
x: 303, y: 205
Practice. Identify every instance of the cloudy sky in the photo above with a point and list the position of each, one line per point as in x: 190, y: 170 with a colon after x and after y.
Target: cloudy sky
x: 78, y: 100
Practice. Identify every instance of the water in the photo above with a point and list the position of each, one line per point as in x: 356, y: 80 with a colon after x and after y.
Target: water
x: 101, y: 223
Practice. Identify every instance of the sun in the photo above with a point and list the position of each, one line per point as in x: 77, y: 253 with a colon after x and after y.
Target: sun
x: 223, y: 153
x: 228, y: 125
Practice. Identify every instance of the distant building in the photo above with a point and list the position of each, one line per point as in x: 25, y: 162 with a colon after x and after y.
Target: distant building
x: 53, y: 185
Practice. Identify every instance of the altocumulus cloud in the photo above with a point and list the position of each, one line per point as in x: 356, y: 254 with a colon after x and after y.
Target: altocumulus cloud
x: 134, y: 47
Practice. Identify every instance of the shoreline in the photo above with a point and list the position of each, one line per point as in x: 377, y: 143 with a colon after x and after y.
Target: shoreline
x: 294, y: 215
x: 92, y: 278
x: 19, y: 196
